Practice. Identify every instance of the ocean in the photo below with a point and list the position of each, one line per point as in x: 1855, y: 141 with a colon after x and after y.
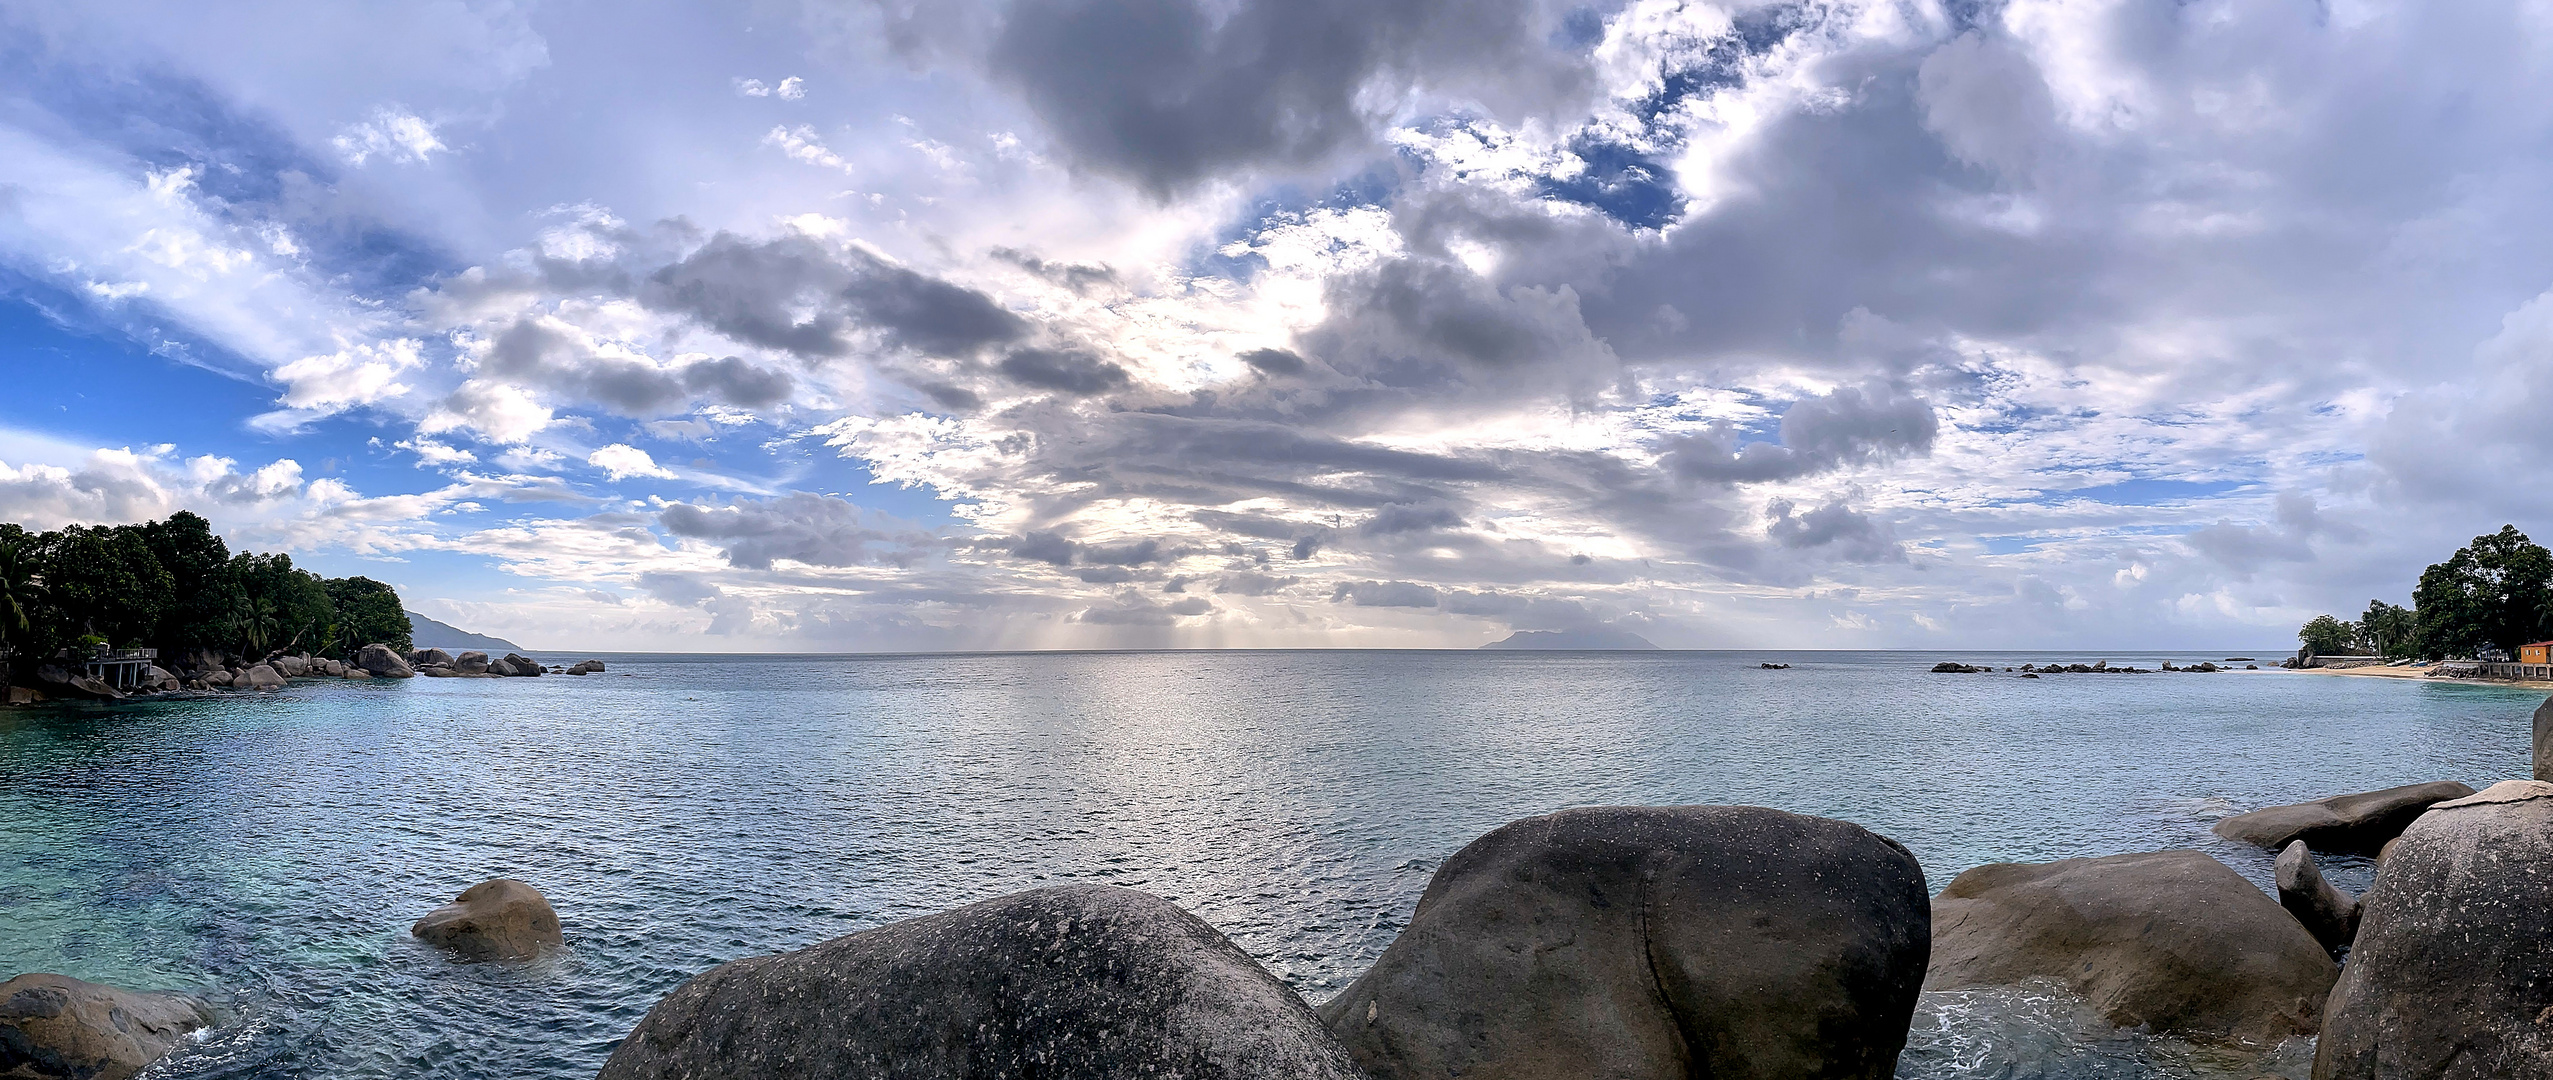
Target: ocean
x: 269, y: 851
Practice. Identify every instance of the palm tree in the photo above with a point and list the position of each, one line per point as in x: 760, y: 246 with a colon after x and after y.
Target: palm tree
x: 21, y: 590
x: 255, y: 617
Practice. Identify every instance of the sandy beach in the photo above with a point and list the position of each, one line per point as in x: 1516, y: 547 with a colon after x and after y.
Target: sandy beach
x: 2417, y: 673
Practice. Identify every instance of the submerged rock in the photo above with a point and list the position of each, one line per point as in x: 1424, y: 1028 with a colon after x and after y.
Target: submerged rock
x: 57, y: 1026
x: 2170, y: 940
x: 1086, y: 982
x: 2452, y: 975
x: 1651, y: 942
x: 2353, y: 823
x: 2328, y: 914
x: 2544, y: 740
x: 382, y: 662
x: 496, y: 919
x: 1953, y: 667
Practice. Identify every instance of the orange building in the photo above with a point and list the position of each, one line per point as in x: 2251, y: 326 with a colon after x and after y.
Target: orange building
x: 2538, y: 653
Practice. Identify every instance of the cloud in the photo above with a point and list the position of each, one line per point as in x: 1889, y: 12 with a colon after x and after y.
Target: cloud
x: 500, y: 413
x: 1169, y: 93
x: 621, y: 461
x: 811, y: 529
x: 1851, y: 535
x: 393, y: 134
x: 1400, y: 594
x: 1850, y: 426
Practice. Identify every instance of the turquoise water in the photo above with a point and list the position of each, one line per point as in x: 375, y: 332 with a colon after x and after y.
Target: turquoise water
x: 270, y: 850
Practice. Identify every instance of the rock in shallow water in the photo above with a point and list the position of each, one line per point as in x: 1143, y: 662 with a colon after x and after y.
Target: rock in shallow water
x: 57, y: 1026
x: 1082, y: 981
x: 2354, y: 823
x: 2328, y: 914
x: 383, y: 662
x: 496, y: 919
x: 2452, y: 974
x: 1651, y: 942
x: 2173, y: 941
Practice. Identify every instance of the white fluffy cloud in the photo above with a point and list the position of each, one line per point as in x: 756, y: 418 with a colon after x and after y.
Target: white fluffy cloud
x: 621, y: 461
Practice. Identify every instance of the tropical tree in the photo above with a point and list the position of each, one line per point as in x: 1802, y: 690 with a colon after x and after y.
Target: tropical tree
x: 106, y: 581
x: 2495, y: 591
x: 2389, y: 630
x: 21, y: 588
x: 2328, y: 636
x: 368, y: 613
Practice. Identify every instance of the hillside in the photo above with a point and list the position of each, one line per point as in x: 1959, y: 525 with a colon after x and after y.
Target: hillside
x: 429, y: 634
x: 1597, y: 638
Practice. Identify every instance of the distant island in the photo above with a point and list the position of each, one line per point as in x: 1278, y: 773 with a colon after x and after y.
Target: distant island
x: 1598, y: 638
x: 430, y: 634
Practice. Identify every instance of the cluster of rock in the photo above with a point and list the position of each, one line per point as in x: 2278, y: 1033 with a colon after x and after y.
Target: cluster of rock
x: 1643, y: 943
x: 436, y: 663
x: 207, y: 670
x: 1953, y: 667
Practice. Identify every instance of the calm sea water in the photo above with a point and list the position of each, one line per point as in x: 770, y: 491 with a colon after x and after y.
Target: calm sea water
x: 270, y: 850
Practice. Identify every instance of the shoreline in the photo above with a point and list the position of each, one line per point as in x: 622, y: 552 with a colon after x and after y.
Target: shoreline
x: 2420, y: 674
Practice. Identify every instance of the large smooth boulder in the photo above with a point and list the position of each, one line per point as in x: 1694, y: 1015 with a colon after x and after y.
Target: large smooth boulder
x: 2327, y: 913
x: 2358, y: 823
x: 2452, y: 974
x: 473, y: 662
x: 155, y: 677
x: 1651, y: 942
x: 426, y: 658
x: 57, y: 1026
x: 290, y: 667
x: 2173, y: 941
x: 2544, y: 740
x: 502, y: 668
x: 586, y: 667
x: 383, y: 662
x: 62, y: 682
x: 1088, y: 982
x: 261, y: 677
x: 523, y: 665
x: 496, y: 919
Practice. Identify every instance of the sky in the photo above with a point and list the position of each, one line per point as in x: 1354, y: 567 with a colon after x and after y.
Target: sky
x: 897, y: 325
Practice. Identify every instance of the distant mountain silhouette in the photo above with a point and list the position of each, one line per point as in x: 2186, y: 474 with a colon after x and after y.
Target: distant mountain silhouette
x: 429, y: 634
x: 1598, y: 638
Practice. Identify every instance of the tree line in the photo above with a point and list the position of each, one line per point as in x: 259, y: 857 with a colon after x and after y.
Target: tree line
x: 2496, y: 592
x: 175, y: 586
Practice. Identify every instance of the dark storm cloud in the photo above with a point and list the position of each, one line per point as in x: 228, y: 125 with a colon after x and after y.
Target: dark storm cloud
x: 531, y: 353
x: 1069, y: 371
x: 1168, y: 93
x: 738, y: 383
x: 1273, y: 361
x: 794, y: 295
x: 1851, y: 535
x: 1424, y: 328
x: 816, y: 530
x: 1402, y: 517
x: 1851, y: 426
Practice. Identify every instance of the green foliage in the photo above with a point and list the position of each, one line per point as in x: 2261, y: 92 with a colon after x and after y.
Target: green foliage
x: 368, y: 612
x: 22, y: 593
x: 2389, y: 630
x: 2328, y: 636
x: 175, y: 585
x: 108, y: 580
x: 2495, y: 591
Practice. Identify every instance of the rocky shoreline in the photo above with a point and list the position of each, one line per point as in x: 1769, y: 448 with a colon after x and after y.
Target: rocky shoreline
x: 207, y: 671
x: 1645, y: 943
